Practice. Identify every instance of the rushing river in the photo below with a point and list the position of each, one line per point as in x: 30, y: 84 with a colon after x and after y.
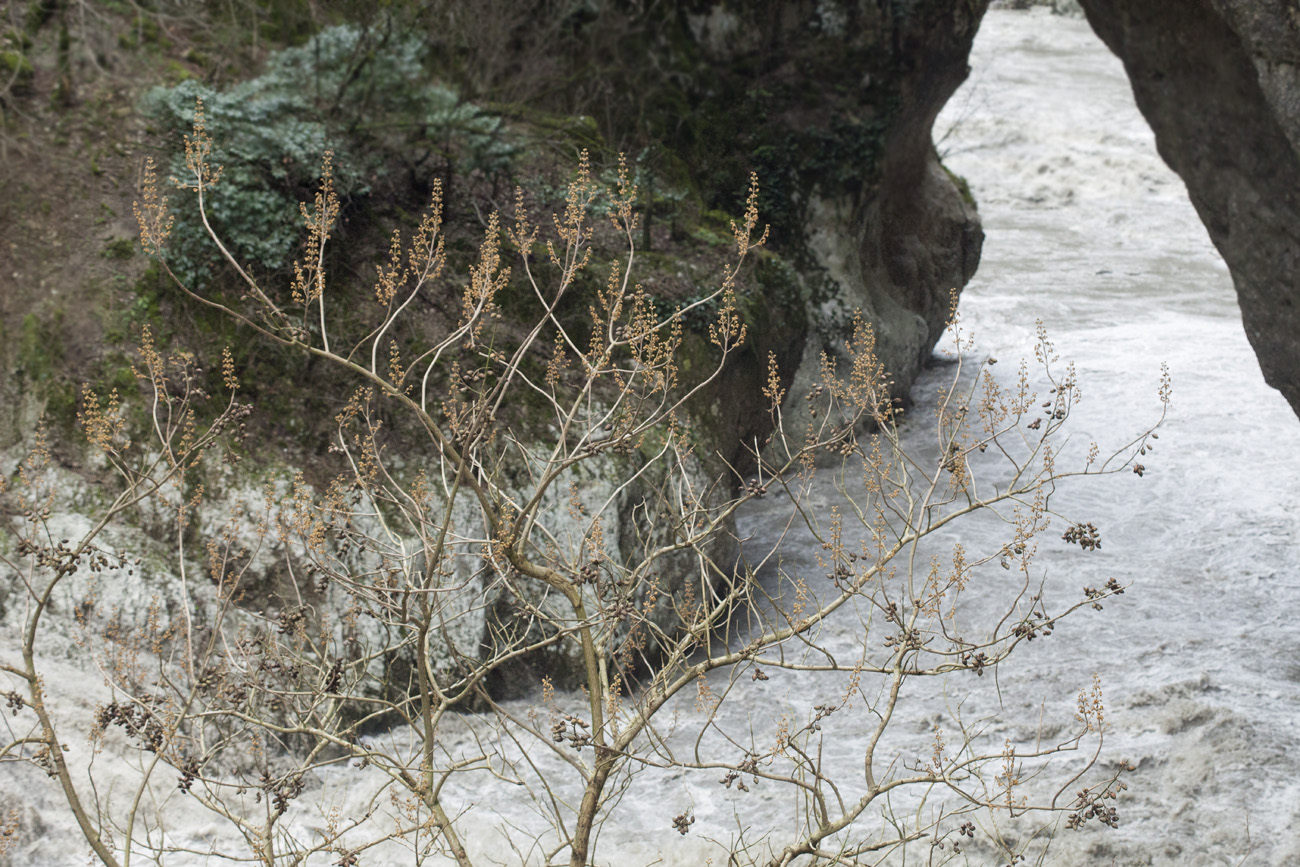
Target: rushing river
x: 1088, y: 231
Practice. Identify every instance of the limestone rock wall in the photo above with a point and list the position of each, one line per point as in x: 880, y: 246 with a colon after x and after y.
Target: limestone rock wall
x: 832, y: 104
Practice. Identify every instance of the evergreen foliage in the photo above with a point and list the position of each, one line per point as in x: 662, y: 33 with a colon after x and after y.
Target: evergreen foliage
x: 362, y: 92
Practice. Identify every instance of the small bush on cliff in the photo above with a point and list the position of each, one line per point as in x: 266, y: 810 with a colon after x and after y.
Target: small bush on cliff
x: 361, y: 91
x: 494, y: 545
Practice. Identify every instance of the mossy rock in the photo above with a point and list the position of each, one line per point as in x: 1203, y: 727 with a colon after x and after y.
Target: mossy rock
x: 15, y: 66
x: 962, y: 185
x: 120, y: 249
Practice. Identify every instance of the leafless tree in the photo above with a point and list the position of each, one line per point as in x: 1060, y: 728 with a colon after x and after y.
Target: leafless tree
x: 595, y: 539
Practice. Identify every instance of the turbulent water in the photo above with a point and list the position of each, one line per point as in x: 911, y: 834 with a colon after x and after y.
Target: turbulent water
x: 1088, y: 231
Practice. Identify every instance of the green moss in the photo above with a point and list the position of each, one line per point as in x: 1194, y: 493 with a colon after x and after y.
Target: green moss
x: 16, y: 68
x: 963, y: 187
x: 578, y: 131
x: 145, y: 309
x: 119, y: 248
x: 176, y: 72
x: 707, y: 235
x: 144, y: 32
x: 15, y: 38
x: 61, y: 407
x: 41, y: 362
x: 39, y: 13
x: 778, y: 279
x: 40, y: 346
x: 117, y: 372
x: 290, y: 22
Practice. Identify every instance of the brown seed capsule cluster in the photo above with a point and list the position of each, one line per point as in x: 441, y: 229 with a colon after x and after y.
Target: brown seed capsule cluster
x: 136, y: 719
x: 1094, y: 806
x: 1112, y: 588
x: 1036, y: 624
x: 572, y: 729
x: 280, y: 792
x: 734, y: 777
x: 684, y: 822
x: 976, y: 662
x: 1031, y: 629
x: 189, y: 773
x: 335, y: 678
x: 1086, y: 536
x: 291, y: 619
x: 967, y: 829
x: 909, y: 638
x: 841, y: 572
x: 14, y: 702
x: 820, y: 712
x: 42, y: 759
x: 590, y: 571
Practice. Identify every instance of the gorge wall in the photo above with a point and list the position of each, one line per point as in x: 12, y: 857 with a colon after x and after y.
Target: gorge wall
x: 1219, y: 82
x: 886, y: 230
x: 831, y: 104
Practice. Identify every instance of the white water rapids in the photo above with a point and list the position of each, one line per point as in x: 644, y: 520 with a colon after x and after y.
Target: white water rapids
x: 1090, y: 232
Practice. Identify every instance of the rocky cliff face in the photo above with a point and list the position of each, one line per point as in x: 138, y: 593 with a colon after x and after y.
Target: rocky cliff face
x: 832, y: 104
x: 899, y: 245
x: 1219, y: 82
